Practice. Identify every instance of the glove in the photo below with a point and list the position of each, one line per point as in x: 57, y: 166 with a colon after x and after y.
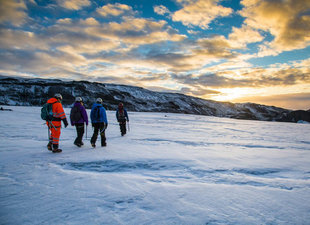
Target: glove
x: 105, y: 126
x: 65, y: 122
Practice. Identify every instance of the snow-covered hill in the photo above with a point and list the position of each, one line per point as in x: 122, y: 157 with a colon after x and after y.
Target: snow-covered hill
x: 169, y: 169
x: 35, y: 92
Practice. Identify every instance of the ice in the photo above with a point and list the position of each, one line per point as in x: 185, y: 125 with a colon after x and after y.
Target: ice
x: 168, y: 169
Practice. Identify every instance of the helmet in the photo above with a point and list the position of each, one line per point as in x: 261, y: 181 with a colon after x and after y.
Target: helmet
x: 58, y: 96
x: 99, y: 100
x: 78, y: 99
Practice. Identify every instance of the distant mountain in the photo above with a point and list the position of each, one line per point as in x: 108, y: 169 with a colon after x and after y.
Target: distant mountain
x: 35, y: 92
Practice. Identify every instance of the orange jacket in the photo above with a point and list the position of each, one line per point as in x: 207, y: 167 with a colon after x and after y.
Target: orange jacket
x: 58, y: 111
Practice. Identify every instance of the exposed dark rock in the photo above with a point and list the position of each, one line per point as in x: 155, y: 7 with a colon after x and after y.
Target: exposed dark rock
x: 295, y: 116
x: 35, y: 92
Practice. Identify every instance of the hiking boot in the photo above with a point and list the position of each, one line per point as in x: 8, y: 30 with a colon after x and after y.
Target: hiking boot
x: 49, y: 146
x: 93, y: 145
x: 58, y: 150
x: 82, y: 143
x: 104, y: 145
x: 78, y: 144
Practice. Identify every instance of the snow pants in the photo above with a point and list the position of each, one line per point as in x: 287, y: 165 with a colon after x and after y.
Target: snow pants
x: 122, y: 126
x: 80, y: 132
x: 98, y: 127
x: 54, y: 127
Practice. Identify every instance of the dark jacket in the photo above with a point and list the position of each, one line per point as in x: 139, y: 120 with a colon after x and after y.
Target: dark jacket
x: 84, y: 118
x: 102, y: 114
x: 122, y: 118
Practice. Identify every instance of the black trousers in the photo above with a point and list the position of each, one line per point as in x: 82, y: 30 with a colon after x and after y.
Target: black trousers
x: 98, y: 127
x: 122, y: 126
x: 80, y: 132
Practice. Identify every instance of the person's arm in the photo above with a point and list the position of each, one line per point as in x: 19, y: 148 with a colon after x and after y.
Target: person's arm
x: 84, y: 115
x: 126, y: 115
x: 60, y: 113
x: 105, y: 119
x: 117, y: 115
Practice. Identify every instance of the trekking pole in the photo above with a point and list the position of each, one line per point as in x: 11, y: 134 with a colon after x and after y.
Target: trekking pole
x: 50, y: 122
x: 128, y: 126
x: 86, y: 132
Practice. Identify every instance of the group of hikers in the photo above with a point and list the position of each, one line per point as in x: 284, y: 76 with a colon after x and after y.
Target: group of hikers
x: 78, y: 118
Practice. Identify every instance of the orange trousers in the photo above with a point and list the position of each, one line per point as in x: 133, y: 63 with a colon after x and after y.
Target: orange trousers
x: 55, y: 131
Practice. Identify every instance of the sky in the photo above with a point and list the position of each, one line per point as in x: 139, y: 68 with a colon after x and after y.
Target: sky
x: 224, y: 50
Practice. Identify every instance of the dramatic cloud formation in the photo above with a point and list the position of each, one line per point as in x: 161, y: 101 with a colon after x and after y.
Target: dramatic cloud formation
x: 13, y: 12
x: 114, y: 10
x: 73, y: 4
x: 223, y: 50
x: 287, y: 20
x: 200, y: 13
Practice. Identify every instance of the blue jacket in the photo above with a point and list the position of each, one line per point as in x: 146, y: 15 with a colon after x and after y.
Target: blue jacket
x: 102, y: 114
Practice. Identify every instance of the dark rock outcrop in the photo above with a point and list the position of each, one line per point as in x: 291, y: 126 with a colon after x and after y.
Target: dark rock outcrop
x: 35, y: 92
x: 295, y: 116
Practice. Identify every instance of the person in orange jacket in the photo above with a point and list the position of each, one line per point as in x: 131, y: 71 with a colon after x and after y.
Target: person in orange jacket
x: 55, y: 125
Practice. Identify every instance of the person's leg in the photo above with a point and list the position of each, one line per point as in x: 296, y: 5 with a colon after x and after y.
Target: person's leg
x: 102, y: 135
x: 50, y: 142
x: 95, y: 135
x: 123, y: 128
x: 80, y: 133
x: 77, y: 134
x: 56, y: 131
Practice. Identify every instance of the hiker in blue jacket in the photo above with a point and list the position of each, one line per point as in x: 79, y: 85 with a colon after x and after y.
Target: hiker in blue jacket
x: 122, y: 117
x: 99, y: 122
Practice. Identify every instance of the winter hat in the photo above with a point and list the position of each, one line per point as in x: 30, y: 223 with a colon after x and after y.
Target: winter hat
x: 58, y: 96
x: 99, y: 100
x: 78, y: 99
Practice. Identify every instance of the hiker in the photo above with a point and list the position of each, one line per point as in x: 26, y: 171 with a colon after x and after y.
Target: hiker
x: 99, y: 122
x: 122, y: 117
x: 55, y: 123
x: 78, y: 116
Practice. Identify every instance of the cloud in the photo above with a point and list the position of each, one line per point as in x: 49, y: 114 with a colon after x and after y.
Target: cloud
x: 73, y: 4
x: 217, y: 47
x: 115, y: 10
x: 287, y: 20
x: 197, y: 90
x: 251, y: 77
x: 161, y: 10
x: 13, y: 12
x: 18, y: 39
x: 138, y: 31
x: 240, y: 37
x: 200, y: 12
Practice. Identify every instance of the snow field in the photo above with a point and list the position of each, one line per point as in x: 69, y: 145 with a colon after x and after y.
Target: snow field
x: 168, y: 169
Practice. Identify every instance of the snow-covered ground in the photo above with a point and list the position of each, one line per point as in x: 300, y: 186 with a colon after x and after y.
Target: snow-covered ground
x: 168, y: 169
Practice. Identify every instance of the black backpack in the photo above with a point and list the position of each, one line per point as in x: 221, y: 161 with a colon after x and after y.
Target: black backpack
x: 96, y: 113
x: 75, y: 114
